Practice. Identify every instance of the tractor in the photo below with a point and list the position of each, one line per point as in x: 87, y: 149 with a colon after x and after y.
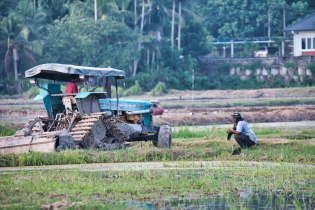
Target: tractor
x: 87, y: 119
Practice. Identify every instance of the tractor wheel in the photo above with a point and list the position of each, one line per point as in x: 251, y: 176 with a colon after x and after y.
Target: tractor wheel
x: 165, y: 137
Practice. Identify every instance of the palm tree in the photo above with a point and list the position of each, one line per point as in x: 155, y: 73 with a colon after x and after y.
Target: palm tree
x: 55, y: 9
x: 104, y: 8
x: 173, y: 23
x: 125, y: 11
x: 179, y: 22
x: 188, y: 13
x: 6, y: 7
x: 82, y: 9
x: 8, y: 26
x: 19, y: 31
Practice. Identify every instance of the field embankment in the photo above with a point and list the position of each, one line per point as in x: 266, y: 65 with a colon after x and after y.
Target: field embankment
x: 200, y: 107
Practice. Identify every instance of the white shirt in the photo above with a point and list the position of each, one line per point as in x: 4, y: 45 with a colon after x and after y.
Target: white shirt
x: 243, y: 128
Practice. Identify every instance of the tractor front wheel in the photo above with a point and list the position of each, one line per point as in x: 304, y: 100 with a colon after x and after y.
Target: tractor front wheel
x: 164, y: 137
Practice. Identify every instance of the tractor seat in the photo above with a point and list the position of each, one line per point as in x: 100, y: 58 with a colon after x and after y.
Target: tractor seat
x: 70, y: 103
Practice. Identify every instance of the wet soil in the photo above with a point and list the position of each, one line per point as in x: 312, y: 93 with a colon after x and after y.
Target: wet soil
x: 194, y: 111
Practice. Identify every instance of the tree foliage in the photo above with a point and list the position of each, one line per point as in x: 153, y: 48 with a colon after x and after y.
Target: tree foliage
x: 250, y: 18
x: 151, y: 40
x: 89, y: 43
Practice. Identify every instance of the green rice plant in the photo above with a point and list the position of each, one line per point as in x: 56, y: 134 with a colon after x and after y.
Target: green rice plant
x: 185, y: 132
x: 7, y: 131
x: 198, y: 132
x: 267, y: 131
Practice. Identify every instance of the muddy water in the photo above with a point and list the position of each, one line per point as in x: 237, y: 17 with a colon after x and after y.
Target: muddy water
x: 244, y: 199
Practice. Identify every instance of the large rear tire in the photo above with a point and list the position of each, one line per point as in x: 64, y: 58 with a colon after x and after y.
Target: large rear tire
x: 165, y: 137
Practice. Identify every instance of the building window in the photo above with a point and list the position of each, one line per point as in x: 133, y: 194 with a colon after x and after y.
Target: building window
x: 309, y: 43
x: 313, y: 43
x: 303, y: 44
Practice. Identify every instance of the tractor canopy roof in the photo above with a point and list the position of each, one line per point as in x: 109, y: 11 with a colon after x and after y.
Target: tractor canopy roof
x: 64, y: 72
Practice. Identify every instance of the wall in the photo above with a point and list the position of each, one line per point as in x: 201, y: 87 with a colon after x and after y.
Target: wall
x: 270, y: 66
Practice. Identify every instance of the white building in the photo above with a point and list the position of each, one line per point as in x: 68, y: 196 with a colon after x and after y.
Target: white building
x: 303, y: 36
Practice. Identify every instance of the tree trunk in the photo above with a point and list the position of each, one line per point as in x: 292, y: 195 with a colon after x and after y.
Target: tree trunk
x: 135, y: 66
x: 95, y: 10
x: 173, y: 20
x: 269, y: 27
x: 179, y: 22
x: 123, y: 15
x: 136, y: 60
x: 148, y: 59
x: 153, y: 57
x: 142, y: 17
x: 135, y: 12
x: 6, y: 62
x: 16, y: 59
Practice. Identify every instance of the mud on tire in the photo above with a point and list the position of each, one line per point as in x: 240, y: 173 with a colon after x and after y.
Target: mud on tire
x: 164, y: 137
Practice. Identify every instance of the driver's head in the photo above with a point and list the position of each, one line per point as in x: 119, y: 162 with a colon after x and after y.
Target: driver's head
x: 74, y: 78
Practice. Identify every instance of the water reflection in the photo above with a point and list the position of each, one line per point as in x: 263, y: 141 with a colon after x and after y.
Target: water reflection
x: 246, y: 199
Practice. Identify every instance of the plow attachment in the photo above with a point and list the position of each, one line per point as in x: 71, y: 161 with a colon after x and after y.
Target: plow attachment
x: 45, y: 142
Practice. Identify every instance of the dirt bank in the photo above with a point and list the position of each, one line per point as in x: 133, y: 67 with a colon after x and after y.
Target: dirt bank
x: 191, y: 116
x: 199, y: 116
x: 19, y: 110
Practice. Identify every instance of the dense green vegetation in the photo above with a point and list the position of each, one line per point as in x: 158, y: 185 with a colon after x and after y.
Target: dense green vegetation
x: 153, y: 41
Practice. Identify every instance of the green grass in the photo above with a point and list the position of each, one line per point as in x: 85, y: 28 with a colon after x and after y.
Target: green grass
x: 275, y: 145
x: 6, y: 130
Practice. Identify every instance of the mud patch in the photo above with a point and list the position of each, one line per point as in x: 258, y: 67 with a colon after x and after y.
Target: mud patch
x: 204, y: 116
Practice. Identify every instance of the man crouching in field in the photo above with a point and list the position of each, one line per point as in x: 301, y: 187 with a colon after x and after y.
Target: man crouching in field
x: 243, y: 134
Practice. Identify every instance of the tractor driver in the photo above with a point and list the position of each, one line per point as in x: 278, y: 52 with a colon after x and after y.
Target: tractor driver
x: 71, y: 87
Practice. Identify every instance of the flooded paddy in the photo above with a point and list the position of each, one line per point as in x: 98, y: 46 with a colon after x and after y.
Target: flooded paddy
x: 162, y: 185
x: 244, y: 200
